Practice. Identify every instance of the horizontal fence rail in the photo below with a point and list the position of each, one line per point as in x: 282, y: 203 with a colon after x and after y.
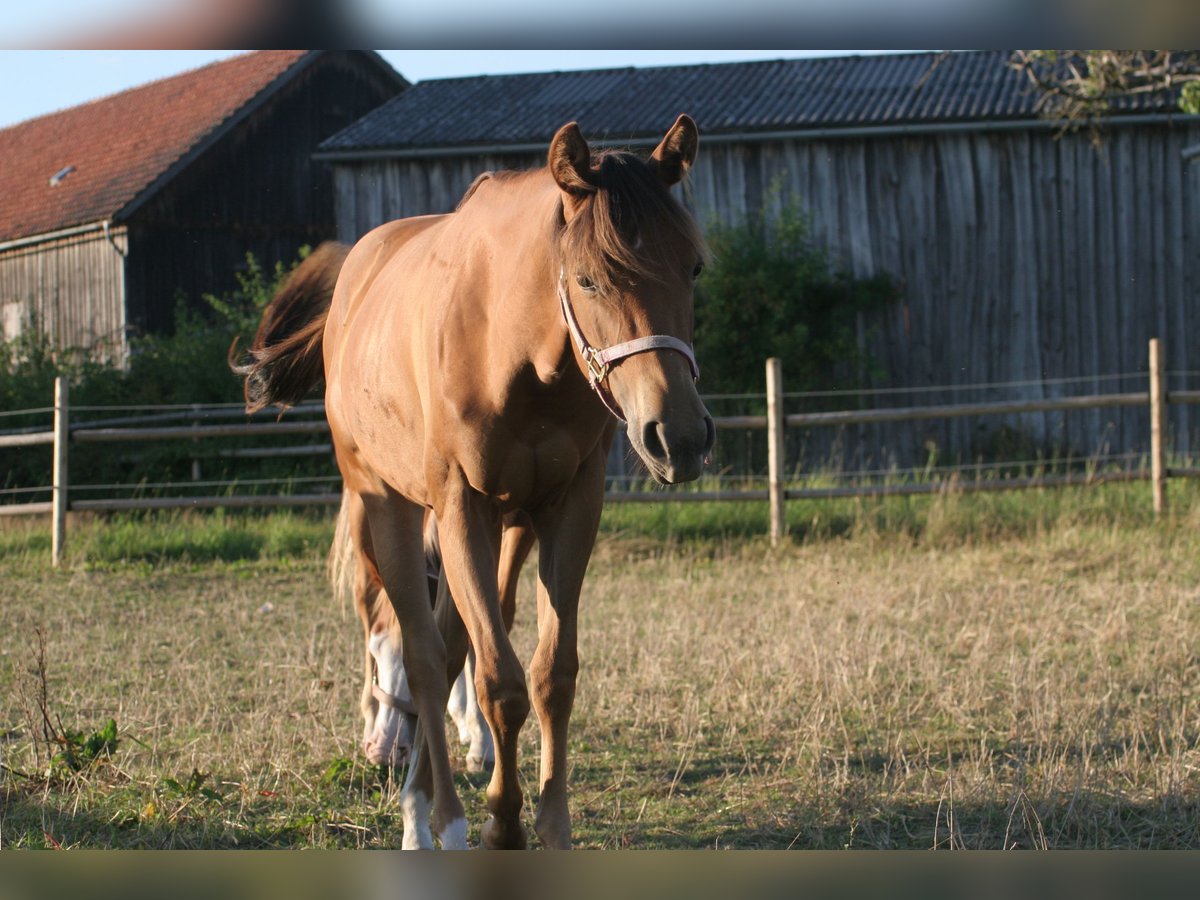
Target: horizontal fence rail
x: 203, y: 423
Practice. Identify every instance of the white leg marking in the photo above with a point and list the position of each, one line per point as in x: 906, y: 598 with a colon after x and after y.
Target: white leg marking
x: 482, y: 752
x: 454, y: 835
x: 415, y: 807
x: 390, y: 739
x: 458, y: 708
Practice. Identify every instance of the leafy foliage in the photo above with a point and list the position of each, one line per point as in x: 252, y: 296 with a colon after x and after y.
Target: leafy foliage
x: 185, y: 367
x: 80, y: 749
x: 1080, y: 87
x: 771, y: 291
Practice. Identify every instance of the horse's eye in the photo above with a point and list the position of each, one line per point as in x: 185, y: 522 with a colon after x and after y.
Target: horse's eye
x: 586, y: 283
x: 696, y: 271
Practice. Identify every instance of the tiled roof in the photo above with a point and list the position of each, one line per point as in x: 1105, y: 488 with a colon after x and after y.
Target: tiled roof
x: 732, y: 98
x: 122, y: 144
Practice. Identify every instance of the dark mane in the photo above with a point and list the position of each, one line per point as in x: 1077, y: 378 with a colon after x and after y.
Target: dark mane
x: 619, y: 234
x: 470, y: 192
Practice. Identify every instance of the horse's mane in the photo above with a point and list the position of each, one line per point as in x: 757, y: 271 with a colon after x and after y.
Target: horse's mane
x: 621, y: 232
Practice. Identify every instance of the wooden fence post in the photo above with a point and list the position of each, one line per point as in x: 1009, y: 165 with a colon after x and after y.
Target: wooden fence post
x: 58, y: 483
x: 775, y: 451
x: 1158, y: 426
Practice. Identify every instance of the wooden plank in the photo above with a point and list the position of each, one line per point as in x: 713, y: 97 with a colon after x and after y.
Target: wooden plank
x: 685, y: 496
x: 1158, y: 427
x: 965, y: 486
x: 902, y: 414
x: 1087, y: 276
x: 92, y: 435
x: 59, y: 476
x: 230, y: 502
x: 1176, y: 293
x: 775, y: 449
x: 26, y: 509
x: 26, y: 440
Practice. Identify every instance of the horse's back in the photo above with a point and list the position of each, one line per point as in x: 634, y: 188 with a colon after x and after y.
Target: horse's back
x: 370, y: 256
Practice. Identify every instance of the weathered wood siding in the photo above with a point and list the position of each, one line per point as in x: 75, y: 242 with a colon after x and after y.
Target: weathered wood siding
x: 1021, y: 258
x: 72, y: 287
x: 370, y: 193
x: 257, y: 191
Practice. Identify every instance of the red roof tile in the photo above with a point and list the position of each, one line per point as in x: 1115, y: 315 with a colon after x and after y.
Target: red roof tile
x: 119, y: 145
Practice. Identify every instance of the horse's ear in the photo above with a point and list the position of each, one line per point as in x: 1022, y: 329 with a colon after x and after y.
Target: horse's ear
x: 570, y: 162
x: 677, y: 151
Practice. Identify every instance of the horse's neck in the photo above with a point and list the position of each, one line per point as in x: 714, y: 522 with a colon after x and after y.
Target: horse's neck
x: 519, y: 256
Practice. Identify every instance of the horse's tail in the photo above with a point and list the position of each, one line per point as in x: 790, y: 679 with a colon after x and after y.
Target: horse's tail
x: 285, y: 358
x: 341, y: 554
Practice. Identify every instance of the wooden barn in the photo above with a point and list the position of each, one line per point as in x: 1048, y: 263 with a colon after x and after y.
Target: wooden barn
x: 1027, y: 257
x: 116, y: 208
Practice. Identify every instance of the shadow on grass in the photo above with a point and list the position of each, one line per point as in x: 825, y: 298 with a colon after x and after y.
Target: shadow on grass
x: 715, y: 802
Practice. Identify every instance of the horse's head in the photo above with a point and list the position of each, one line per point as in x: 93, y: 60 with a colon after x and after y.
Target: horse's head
x: 629, y: 255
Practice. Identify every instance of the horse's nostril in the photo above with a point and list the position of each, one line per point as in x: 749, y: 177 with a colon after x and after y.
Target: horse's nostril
x: 652, y: 440
x: 710, y: 437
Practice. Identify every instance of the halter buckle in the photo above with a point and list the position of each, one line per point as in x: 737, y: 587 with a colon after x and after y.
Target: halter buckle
x: 597, y: 371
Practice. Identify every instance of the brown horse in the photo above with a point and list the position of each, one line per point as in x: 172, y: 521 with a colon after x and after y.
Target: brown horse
x: 463, y: 376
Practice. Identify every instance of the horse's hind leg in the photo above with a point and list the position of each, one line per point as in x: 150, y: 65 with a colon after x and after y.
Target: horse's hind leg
x: 468, y: 718
x: 396, y: 526
x: 387, y: 735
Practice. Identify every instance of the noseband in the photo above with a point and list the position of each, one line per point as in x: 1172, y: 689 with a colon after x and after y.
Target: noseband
x: 601, y: 362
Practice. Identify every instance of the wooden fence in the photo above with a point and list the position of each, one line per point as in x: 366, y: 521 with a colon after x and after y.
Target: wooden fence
x: 776, y: 421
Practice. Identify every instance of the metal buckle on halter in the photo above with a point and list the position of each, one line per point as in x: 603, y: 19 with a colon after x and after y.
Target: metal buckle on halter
x: 597, y: 371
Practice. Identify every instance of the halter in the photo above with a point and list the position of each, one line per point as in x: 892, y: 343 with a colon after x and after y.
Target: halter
x: 601, y: 362
x: 386, y: 699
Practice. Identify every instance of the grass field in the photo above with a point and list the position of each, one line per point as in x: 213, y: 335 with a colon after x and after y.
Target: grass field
x: 982, y: 672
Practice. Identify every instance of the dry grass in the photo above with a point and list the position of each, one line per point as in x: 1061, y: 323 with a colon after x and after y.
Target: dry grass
x: 1037, y: 690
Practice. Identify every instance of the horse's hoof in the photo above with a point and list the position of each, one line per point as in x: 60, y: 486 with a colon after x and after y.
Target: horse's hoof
x: 497, y: 835
x: 479, y: 764
x: 553, y: 834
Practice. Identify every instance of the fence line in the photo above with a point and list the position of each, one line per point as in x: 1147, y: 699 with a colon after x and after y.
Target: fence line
x: 775, y: 422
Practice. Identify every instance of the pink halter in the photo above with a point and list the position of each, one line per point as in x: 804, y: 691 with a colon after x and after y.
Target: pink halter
x: 600, y: 362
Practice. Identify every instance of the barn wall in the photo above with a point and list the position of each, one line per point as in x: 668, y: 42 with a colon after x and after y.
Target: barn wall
x: 1021, y: 258
x: 73, y: 287
x: 371, y: 193
x: 257, y: 190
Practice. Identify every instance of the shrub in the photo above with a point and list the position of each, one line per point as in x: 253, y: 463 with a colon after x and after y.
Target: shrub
x: 183, y: 367
x: 771, y: 291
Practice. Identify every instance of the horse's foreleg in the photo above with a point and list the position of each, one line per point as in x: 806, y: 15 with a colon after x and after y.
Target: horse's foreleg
x: 515, y: 544
x: 566, y: 532
x: 470, y: 533
x: 396, y: 528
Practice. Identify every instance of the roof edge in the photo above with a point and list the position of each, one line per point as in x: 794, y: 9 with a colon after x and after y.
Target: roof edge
x: 57, y: 234
x: 818, y: 133
x: 216, y: 134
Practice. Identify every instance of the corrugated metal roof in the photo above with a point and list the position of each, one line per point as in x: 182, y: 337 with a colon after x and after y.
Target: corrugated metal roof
x: 119, y: 145
x: 731, y: 98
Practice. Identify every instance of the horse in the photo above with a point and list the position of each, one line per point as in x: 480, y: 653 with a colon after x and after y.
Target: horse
x: 476, y: 363
x: 386, y: 699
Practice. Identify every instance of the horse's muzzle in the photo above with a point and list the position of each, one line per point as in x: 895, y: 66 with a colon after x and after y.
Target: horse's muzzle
x: 674, y: 452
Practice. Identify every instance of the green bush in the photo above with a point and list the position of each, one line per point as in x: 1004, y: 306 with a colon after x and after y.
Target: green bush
x: 185, y: 367
x: 771, y: 291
